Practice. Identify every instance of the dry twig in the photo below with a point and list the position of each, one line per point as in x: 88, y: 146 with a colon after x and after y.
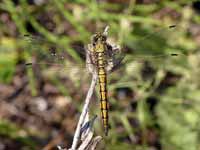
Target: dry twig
x: 84, y: 115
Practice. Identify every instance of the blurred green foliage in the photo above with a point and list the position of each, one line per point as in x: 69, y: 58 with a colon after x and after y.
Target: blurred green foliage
x: 174, y: 83
x: 9, y: 130
x: 7, y: 61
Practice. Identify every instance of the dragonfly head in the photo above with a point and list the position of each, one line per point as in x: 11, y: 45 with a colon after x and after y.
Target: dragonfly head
x: 99, y: 38
x: 98, y: 42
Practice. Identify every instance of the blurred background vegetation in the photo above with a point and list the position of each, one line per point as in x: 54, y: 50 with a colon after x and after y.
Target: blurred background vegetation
x: 154, y: 103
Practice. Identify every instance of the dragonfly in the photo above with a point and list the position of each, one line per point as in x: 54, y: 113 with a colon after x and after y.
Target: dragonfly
x: 102, y: 58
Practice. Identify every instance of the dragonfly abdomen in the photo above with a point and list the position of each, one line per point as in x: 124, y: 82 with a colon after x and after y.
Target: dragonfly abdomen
x: 103, y: 92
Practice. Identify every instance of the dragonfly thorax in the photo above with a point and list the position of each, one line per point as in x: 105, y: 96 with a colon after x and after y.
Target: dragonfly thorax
x: 99, y: 47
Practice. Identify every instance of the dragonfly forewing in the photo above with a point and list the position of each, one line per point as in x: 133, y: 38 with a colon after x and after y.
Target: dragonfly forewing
x: 37, y: 45
x: 158, y: 41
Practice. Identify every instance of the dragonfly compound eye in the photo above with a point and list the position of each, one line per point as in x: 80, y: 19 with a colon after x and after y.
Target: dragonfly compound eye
x: 104, y: 38
x: 95, y: 37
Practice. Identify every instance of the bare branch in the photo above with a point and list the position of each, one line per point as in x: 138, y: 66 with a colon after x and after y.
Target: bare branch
x: 84, y: 113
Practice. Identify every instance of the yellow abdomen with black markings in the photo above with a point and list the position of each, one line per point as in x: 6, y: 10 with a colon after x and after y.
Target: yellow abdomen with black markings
x: 103, y: 90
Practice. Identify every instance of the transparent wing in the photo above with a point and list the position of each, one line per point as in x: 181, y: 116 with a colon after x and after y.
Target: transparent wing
x: 38, y: 44
x: 44, y: 52
x: 152, y: 47
x: 158, y: 42
x: 120, y: 59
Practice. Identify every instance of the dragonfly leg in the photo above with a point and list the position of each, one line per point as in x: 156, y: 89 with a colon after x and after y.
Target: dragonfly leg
x: 114, y: 57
